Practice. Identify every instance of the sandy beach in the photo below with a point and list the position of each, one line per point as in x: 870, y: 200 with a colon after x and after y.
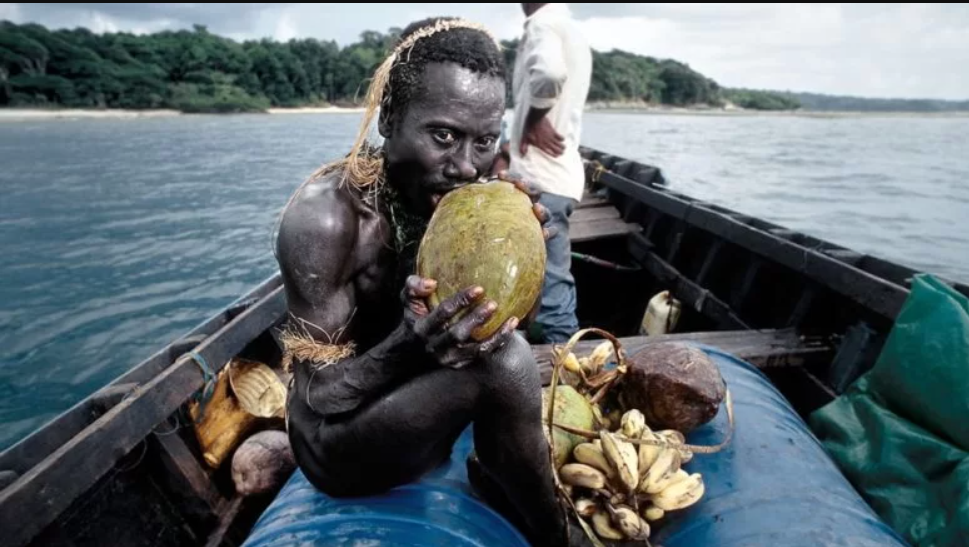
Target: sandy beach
x: 316, y: 110
x: 24, y: 114
x: 28, y: 114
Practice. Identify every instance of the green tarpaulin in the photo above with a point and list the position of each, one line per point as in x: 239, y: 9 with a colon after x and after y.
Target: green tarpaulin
x: 900, y: 433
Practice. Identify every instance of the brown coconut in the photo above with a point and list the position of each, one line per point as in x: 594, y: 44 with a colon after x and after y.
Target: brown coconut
x: 675, y: 386
x: 262, y: 463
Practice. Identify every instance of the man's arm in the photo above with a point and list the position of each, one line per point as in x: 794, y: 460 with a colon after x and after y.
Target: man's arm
x: 545, y: 66
x: 316, y: 244
x: 547, y: 72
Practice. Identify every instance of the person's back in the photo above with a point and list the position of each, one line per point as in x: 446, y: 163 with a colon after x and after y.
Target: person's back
x: 553, y: 69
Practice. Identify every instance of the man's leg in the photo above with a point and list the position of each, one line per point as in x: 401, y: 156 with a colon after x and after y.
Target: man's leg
x: 556, y: 316
x: 409, y: 431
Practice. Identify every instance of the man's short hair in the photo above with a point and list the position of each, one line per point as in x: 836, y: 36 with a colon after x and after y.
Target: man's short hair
x: 469, y: 48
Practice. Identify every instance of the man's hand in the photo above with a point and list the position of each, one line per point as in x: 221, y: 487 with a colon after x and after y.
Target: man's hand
x: 540, y: 132
x: 451, y: 344
x: 502, y: 159
x: 541, y: 212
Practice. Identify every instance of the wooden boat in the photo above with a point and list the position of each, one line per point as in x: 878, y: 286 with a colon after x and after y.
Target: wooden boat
x: 121, y: 467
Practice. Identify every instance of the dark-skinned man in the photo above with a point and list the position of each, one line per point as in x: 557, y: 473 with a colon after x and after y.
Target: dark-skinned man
x: 383, y: 386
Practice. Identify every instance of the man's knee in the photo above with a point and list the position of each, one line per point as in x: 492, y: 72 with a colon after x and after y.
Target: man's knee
x: 513, y: 368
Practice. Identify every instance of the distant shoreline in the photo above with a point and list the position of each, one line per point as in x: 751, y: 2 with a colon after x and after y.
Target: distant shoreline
x: 31, y: 114
x: 644, y: 108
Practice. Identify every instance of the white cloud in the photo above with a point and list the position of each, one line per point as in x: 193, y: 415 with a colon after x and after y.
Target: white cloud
x: 9, y: 12
x: 285, y: 28
x: 890, y: 51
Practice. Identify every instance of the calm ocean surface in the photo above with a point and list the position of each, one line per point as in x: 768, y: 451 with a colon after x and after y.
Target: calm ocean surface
x: 119, y: 235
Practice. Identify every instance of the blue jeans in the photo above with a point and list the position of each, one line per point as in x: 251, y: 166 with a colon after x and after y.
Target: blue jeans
x: 556, y: 316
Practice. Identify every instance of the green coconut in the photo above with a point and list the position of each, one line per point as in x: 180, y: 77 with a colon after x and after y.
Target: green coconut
x: 571, y: 409
x: 485, y: 234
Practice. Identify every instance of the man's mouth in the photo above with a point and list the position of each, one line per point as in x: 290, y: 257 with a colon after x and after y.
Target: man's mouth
x: 438, y: 193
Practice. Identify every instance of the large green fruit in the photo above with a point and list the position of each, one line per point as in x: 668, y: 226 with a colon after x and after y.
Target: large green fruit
x: 485, y: 234
x: 571, y: 409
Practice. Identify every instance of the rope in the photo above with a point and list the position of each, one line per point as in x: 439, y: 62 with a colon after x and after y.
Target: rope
x: 598, y: 170
x: 604, y: 263
x: 203, y: 396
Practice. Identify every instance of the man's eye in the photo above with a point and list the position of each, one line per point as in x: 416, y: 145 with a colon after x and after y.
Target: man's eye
x: 487, y: 143
x: 443, y: 136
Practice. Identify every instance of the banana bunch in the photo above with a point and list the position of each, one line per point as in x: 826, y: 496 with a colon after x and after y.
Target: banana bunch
x: 621, y: 488
x: 584, y: 367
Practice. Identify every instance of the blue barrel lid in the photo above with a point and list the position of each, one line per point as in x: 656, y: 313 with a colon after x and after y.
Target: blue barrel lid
x: 774, y: 485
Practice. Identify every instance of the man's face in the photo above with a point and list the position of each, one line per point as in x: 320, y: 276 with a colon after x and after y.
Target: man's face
x: 446, y: 137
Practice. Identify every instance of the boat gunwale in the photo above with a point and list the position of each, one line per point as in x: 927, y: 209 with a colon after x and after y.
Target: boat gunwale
x: 874, y: 293
x: 654, y: 192
x: 30, y: 450
x: 31, y: 503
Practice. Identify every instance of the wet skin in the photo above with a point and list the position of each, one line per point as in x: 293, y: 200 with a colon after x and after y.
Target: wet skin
x: 392, y: 412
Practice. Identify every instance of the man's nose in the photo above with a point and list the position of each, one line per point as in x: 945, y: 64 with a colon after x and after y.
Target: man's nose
x: 462, y: 165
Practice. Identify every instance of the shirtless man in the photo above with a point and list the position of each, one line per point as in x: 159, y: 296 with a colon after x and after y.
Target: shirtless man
x: 406, y: 384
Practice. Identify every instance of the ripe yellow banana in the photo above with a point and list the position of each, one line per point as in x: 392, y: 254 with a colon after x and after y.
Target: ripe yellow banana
x: 585, y: 507
x: 592, y: 455
x: 681, y: 494
x: 680, y: 475
x: 623, y: 457
x: 648, y: 452
x: 571, y: 364
x: 653, y: 513
x: 659, y: 475
x: 633, y: 424
x: 629, y: 523
x: 600, y: 355
x: 580, y: 474
x: 602, y: 524
x: 587, y: 366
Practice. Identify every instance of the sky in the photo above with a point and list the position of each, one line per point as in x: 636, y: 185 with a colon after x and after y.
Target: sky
x: 874, y: 50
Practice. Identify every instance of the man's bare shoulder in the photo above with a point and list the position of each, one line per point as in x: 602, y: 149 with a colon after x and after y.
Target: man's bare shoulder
x: 322, y: 217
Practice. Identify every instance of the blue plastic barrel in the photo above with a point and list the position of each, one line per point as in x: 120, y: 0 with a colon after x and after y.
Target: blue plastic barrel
x: 774, y: 485
x: 440, y: 509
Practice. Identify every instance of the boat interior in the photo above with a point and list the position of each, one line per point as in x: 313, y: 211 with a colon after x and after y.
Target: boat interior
x: 124, y: 467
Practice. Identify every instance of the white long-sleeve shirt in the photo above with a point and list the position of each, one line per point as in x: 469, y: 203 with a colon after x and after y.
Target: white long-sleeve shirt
x: 553, y: 69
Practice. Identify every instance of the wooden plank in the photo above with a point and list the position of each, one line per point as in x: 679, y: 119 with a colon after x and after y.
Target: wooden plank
x: 591, y: 201
x: 38, y: 497
x: 881, y: 296
x: 599, y: 229
x: 32, y: 449
x: 709, y: 263
x: 847, y: 256
x: 597, y: 213
x: 228, y: 512
x: 106, y: 398
x: 186, y: 474
x: 692, y: 295
x: 762, y: 348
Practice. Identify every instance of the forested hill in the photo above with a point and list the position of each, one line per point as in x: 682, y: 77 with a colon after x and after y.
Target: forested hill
x: 196, y: 71
x: 834, y: 103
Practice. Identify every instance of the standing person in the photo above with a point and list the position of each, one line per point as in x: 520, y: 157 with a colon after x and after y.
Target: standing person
x: 553, y: 71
